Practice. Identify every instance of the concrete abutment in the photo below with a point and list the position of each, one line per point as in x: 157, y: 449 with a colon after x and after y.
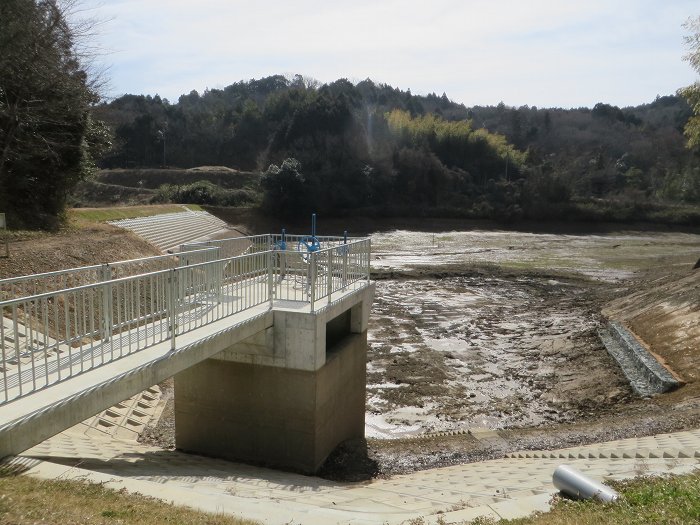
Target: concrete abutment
x: 285, y: 396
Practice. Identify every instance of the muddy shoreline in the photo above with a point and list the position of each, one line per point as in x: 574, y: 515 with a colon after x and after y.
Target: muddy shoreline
x: 496, y: 331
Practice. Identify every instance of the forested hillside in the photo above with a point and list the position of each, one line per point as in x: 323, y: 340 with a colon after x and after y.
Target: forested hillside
x: 342, y: 147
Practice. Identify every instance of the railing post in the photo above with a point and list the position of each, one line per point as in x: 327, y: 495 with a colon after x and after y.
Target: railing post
x: 172, y: 306
x: 369, y: 251
x: 312, y: 280
x: 218, y: 272
x: 107, y: 323
x: 270, y: 275
x: 283, y: 267
x: 346, y: 248
x: 329, y: 270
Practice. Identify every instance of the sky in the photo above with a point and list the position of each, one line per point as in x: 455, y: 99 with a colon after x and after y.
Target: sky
x: 544, y: 53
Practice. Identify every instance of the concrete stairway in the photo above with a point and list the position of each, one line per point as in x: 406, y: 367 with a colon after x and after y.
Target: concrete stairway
x: 170, y: 230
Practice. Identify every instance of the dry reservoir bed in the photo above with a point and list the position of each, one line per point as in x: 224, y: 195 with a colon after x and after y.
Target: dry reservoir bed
x: 462, y: 352
x: 497, y: 329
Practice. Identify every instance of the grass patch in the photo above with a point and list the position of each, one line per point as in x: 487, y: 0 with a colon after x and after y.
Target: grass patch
x: 25, y: 500
x: 124, y: 212
x: 668, y: 500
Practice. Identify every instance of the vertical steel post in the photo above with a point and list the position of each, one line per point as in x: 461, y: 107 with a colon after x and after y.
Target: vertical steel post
x: 270, y: 275
x: 312, y: 280
x: 219, y: 275
x: 329, y: 270
x: 172, y: 306
x: 346, y: 249
x: 106, y: 277
x: 15, y: 332
x: 369, y: 251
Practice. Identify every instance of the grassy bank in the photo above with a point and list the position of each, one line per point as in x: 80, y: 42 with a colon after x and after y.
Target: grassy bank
x: 25, y: 500
x: 669, y: 500
x: 125, y: 212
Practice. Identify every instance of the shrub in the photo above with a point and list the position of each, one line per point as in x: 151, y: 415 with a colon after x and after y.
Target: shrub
x: 204, y: 192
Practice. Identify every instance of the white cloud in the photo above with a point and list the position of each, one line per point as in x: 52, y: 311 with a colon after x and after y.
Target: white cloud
x: 540, y: 52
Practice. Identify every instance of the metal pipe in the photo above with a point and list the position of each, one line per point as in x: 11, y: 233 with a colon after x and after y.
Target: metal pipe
x: 577, y: 485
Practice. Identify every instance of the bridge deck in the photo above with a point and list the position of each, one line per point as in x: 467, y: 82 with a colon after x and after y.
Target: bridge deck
x: 77, y: 341
x: 52, y: 371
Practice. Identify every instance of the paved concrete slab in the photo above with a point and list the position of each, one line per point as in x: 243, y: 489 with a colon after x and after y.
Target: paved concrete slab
x: 510, y: 487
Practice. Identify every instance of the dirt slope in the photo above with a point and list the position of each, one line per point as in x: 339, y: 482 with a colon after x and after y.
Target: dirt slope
x: 73, y: 247
x: 665, y: 314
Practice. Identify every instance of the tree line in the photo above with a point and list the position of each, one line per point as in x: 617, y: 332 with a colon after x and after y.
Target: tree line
x: 335, y: 148
x: 379, y: 149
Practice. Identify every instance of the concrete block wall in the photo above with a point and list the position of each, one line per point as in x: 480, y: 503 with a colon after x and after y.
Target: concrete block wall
x: 646, y: 374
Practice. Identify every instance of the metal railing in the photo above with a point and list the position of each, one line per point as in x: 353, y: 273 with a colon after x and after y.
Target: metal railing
x: 103, y: 313
x: 40, y: 283
x: 321, y: 273
x: 233, y: 246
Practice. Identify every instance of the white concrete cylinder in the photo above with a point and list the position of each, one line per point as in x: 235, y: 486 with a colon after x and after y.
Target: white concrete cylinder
x: 577, y: 485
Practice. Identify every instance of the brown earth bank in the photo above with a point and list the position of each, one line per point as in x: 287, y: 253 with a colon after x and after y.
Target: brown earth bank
x: 660, y: 304
x: 153, y: 178
x: 664, y: 311
x: 70, y: 248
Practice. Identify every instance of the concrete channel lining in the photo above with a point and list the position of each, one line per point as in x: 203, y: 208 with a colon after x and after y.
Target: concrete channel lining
x: 645, y: 373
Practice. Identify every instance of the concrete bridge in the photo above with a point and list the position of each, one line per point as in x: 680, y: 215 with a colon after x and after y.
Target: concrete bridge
x: 266, y: 338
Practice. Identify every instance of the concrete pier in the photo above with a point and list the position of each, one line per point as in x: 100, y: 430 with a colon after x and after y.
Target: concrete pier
x: 285, y: 396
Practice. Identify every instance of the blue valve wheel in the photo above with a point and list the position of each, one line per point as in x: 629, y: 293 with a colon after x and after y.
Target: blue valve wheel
x: 308, y: 245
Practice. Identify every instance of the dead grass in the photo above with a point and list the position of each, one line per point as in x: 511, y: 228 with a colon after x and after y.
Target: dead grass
x: 25, y: 500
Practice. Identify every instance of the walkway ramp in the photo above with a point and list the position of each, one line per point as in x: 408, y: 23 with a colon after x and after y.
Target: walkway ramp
x: 170, y: 230
x: 75, y: 342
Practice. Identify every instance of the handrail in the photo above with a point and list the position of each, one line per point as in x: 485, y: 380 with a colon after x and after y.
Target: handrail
x: 91, y: 274
x: 50, y: 336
